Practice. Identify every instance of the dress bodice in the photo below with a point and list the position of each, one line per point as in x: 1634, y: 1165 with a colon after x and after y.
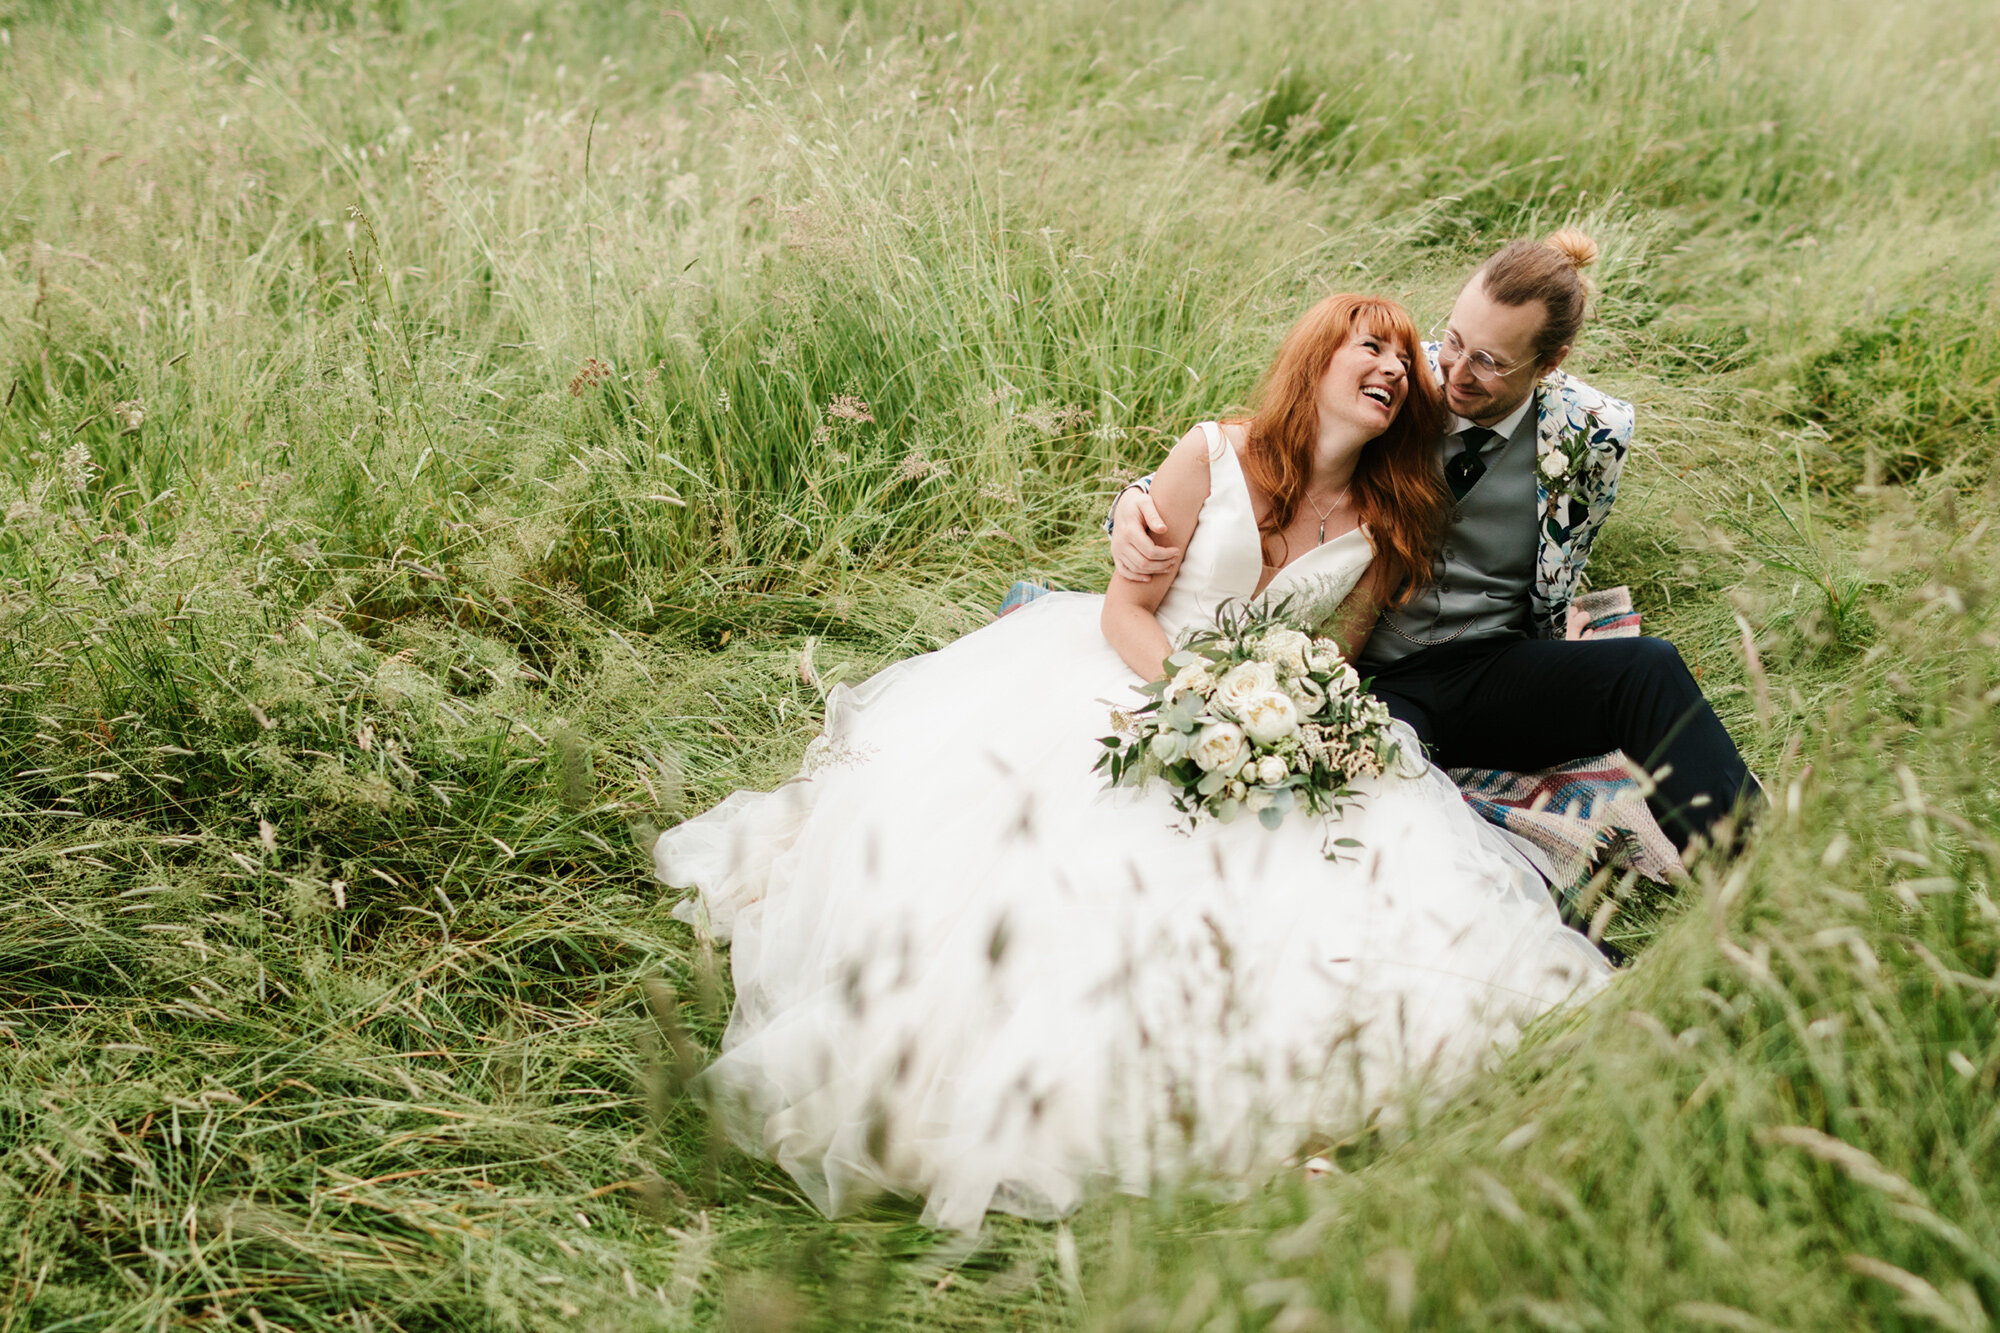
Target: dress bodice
x: 1225, y: 557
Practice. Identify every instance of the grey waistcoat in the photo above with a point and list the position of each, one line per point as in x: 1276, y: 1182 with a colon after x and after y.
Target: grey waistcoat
x: 1486, y: 567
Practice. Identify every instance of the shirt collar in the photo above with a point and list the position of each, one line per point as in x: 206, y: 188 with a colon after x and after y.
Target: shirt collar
x: 1505, y: 428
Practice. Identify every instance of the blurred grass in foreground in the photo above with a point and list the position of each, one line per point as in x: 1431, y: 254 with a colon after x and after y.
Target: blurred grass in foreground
x: 439, y: 442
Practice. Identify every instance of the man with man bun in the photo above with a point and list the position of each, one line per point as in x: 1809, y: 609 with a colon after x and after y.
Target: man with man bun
x: 1477, y: 663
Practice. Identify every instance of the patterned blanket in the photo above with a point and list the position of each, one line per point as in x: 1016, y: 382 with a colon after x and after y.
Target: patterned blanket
x: 1575, y: 817
x: 1567, y: 821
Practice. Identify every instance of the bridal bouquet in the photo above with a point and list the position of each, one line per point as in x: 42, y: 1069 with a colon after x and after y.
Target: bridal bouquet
x: 1257, y: 716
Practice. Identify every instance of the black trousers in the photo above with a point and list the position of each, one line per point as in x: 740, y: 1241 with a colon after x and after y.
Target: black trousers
x: 1524, y: 704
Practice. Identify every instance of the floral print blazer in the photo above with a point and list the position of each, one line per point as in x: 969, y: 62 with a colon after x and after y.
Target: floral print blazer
x: 1581, y: 440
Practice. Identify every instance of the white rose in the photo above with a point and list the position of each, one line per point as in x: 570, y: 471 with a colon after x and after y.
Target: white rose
x: 1555, y: 465
x: 1269, y: 717
x: 1325, y: 652
x: 1270, y: 770
x: 1287, y: 648
x: 1237, y: 791
x: 1242, y: 683
x: 1220, y: 745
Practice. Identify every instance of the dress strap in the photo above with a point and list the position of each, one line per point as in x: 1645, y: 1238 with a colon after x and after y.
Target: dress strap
x: 1225, y: 469
x: 1218, y: 445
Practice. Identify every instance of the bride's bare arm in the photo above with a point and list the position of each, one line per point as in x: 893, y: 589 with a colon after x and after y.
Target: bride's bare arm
x: 1130, y: 625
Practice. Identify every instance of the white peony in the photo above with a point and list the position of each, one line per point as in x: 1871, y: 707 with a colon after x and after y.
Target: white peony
x: 1555, y: 465
x: 1256, y: 800
x: 1346, y: 680
x: 1220, y: 745
x: 1242, y: 683
x: 1325, y: 652
x: 1194, y: 676
x: 1270, y: 770
x: 1286, y: 649
x: 1307, y: 694
x: 1269, y: 717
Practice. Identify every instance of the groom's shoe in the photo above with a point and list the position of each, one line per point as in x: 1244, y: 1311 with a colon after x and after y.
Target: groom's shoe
x: 1728, y: 835
x: 1732, y: 834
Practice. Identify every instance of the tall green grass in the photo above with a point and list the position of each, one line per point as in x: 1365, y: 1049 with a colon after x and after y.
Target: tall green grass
x: 441, y: 444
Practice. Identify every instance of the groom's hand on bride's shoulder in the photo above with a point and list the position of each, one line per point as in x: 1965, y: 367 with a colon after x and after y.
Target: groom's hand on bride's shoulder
x: 1135, y: 521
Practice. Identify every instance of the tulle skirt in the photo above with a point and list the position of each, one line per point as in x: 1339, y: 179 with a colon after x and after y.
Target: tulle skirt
x: 966, y: 972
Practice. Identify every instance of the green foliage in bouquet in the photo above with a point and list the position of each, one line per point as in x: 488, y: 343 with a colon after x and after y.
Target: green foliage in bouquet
x: 1256, y: 716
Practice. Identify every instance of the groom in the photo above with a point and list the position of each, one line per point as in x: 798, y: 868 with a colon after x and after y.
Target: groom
x: 1476, y: 664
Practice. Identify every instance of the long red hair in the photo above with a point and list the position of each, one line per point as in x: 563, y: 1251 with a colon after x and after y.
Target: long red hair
x: 1398, y: 488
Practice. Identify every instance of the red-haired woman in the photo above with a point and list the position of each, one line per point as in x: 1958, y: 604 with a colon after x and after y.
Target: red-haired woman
x: 1342, y: 439
x: 967, y: 973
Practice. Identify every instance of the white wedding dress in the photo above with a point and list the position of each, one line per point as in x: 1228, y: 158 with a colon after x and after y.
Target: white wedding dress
x: 967, y: 972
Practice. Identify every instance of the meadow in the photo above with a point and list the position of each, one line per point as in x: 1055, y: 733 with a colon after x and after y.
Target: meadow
x: 445, y: 443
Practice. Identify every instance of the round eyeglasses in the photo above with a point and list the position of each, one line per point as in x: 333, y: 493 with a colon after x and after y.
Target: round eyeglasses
x: 1484, y: 368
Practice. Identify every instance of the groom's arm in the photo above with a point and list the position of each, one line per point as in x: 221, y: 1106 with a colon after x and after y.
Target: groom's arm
x: 1609, y: 422
x: 1143, y: 485
x: 1609, y: 456
x: 1140, y: 547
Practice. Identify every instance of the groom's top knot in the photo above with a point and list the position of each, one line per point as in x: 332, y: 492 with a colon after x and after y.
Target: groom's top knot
x: 1550, y: 272
x: 1578, y: 248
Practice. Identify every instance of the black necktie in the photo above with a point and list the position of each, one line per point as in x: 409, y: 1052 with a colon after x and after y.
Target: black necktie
x: 1466, y: 466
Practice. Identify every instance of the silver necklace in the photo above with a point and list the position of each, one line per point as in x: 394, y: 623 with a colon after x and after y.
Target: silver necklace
x: 1323, y: 516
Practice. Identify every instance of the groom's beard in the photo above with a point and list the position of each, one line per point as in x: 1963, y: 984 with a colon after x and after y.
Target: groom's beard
x: 1480, y: 405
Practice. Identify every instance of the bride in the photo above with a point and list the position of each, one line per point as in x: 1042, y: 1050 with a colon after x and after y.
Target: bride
x: 966, y: 972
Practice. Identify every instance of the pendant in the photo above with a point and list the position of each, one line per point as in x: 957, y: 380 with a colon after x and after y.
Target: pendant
x: 1322, y: 532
